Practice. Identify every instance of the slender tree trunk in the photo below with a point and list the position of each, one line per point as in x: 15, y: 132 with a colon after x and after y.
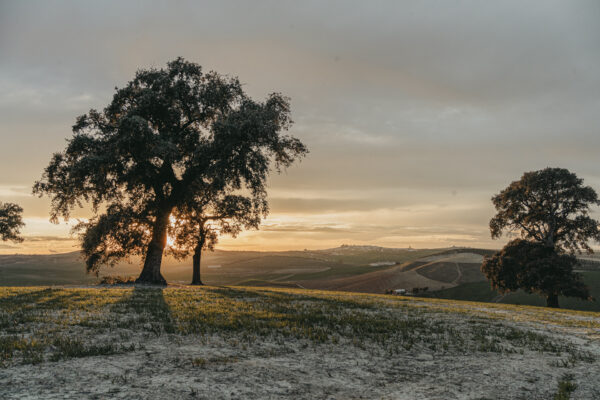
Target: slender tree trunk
x: 151, y: 271
x: 552, y: 300
x: 197, y: 258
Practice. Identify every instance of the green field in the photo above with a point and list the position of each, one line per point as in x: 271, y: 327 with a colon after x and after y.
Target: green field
x: 481, y: 291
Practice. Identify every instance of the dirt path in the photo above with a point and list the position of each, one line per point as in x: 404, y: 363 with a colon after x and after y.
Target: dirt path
x: 459, y: 272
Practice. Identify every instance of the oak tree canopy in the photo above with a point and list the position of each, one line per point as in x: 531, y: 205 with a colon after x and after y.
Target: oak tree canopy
x: 11, y: 222
x: 168, y: 137
x: 549, y: 210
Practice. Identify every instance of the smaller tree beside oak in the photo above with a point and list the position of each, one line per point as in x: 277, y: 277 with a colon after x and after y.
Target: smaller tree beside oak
x: 11, y: 222
x: 197, y: 226
x: 549, y: 210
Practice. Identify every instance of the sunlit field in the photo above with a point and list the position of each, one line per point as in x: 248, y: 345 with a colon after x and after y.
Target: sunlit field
x: 139, y: 342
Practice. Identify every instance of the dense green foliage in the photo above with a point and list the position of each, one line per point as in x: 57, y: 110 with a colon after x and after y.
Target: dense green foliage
x: 11, y: 222
x: 535, y: 268
x: 549, y: 206
x: 549, y: 209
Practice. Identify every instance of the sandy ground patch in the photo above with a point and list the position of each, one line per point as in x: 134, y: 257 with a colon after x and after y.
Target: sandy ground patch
x: 273, y: 370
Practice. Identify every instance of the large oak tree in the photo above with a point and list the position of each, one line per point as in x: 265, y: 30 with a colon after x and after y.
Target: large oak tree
x: 549, y: 210
x: 168, y: 135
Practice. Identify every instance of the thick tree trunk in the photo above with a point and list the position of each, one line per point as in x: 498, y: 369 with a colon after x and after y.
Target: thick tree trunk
x: 196, y: 267
x: 552, y: 300
x: 197, y: 258
x: 151, y: 271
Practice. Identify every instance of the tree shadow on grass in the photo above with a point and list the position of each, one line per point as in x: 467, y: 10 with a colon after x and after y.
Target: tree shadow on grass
x: 145, y: 308
x: 264, y: 312
x: 21, y: 311
x: 348, y: 300
x: 47, y: 298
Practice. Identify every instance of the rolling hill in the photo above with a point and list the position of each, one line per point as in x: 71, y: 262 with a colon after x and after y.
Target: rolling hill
x: 442, y: 273
x: 218, y: 267
x: 443, y: 269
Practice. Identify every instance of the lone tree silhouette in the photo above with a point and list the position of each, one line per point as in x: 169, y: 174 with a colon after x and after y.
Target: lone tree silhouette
x: 11, y: 222
x: 167, y: 137
x: 198, y: 225
x: 549, y: 210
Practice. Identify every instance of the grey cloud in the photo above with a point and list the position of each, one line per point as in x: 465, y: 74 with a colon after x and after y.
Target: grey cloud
x: 420, y: 96
x: 316, y: 206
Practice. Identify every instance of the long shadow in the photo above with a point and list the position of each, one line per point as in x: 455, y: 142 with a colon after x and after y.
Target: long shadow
x: 149, y: 309
x: 20, y: 299
x: 284, y: 304
x: 266, y: 294
x: 44, y: 298
x: 145, y: 309
x: 22, y: 309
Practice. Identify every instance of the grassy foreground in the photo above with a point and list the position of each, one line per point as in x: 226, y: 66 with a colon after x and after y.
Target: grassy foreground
x: 45, y: 325
x: 256, y: 343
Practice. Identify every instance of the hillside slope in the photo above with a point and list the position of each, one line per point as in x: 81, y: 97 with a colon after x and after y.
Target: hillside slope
x: 218, y: 267
x: 434, y: 272
x: 445, y: 273
x: 255, y: 343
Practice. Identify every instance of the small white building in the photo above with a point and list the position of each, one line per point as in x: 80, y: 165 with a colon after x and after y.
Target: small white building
x: 382, y: 263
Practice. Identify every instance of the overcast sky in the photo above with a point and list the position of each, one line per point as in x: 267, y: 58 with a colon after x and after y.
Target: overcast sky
x: 415, y: 112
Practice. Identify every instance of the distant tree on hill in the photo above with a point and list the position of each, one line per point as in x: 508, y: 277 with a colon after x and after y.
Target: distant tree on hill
x: 167, y: 137
x: 198, y: 225
x: 535, y: 268
x: 549, y: 210
x: 11, y: 222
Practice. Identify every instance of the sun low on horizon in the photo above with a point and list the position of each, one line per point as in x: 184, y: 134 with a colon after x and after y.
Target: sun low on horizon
x: 410, y: 130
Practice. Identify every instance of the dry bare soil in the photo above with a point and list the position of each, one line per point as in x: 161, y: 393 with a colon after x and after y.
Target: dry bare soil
x: 258, y: 343
x: 434, y: 272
